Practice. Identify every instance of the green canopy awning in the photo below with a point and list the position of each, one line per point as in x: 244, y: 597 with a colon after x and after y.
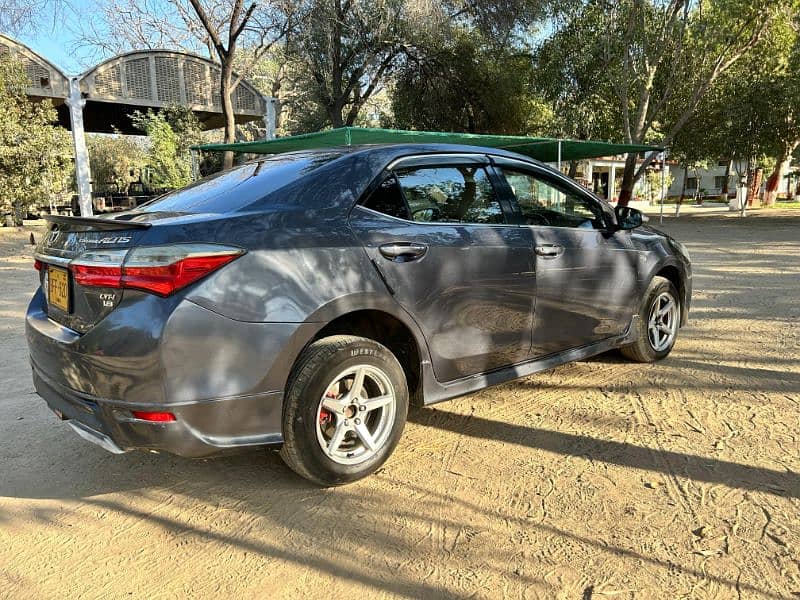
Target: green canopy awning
x: 544, y: 149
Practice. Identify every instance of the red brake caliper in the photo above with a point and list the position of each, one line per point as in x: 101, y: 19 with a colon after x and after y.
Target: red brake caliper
x: 325, y: 416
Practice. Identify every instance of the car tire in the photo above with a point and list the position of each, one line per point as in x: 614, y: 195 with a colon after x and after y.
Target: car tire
x: 653, y: 345
x: 330, y: 435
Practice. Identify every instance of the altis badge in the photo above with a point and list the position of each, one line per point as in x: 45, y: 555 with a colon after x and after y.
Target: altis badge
x: 119, y: 239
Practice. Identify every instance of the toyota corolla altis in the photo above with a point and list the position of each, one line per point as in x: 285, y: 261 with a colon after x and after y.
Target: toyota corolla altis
x: 302, y: 301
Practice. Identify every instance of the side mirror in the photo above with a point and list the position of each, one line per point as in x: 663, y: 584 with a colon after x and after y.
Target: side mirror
x: 629, y: 218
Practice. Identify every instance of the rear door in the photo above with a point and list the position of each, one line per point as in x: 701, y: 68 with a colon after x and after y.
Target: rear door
x: 437, y: 231
x: 586, y: 272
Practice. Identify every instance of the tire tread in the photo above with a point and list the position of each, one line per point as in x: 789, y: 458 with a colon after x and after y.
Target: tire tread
x: 313, y: 358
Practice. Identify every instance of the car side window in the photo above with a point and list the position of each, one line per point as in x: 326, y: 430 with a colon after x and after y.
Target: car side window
x: 388, y: 199
x: 451, y: 194
x: 543, y: 203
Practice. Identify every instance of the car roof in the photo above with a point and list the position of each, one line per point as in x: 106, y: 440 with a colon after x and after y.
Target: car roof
x: 396, y: 150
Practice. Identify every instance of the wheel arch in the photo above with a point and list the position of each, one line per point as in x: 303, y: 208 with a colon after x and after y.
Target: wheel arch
x: 379, y: 318
x: 673, y: 273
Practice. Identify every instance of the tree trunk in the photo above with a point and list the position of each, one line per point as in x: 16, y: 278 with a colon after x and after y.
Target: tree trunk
x: 336, y: 118
x: 771, y: 189
x: 628, y: 181
x: 774, y: 181
x: 755, y: 184
x: 573, y: 169
x: 226, y: 82
x: 20, y: 210
x: 683, y: 192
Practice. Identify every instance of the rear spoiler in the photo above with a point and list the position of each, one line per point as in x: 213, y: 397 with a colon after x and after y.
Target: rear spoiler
x: 96, y: 222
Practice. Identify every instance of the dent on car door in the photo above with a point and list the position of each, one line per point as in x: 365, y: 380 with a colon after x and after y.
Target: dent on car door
x: 437, y: 233
x: 586, y: 273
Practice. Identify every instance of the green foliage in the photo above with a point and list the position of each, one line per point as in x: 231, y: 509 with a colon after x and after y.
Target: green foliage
x: 343, y: 52
x: 468, y: 86
x: 36, y: 161
x: 172, y: 132
x: 653, y: 184
x: 752, y: 112
x: 569, y: 71
x: 116, y: 162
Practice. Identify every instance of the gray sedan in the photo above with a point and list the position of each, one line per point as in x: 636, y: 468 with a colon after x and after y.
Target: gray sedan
x: 302, y: 301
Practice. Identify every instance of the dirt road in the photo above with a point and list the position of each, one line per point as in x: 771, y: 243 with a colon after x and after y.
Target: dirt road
x: 597, y: 479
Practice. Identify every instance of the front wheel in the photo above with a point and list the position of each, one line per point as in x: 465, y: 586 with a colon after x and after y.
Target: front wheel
x: 659, y: 319
x: 345, y: 409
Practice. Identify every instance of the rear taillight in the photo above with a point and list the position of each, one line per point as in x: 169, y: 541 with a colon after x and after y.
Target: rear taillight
x: 37, y: 264
x: 161, y: 270
x: 99, y: 268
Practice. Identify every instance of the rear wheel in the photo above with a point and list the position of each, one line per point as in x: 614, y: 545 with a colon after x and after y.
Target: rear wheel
x: 659, y: 319
x: 345, y: 409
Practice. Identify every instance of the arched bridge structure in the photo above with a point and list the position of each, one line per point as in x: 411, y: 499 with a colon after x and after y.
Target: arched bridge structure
x: 155, y: 79
x: 46, y: 79
x: 103, y: 98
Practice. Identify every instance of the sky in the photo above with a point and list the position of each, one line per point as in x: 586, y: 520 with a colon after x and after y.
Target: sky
x: 57, y: 39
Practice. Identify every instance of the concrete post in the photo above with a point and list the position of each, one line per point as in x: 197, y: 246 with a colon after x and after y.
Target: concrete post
x: 83, y: 175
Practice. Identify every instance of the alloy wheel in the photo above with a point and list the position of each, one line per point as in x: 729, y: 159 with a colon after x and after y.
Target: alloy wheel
x: 356, y: 414
x: 663, y: 322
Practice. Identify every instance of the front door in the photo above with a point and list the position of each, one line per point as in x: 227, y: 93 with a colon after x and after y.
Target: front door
x: 586, y: 273
x: 436, y: 230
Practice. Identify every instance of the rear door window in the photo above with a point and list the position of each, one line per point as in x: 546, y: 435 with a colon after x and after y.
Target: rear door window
x: 450, y: 194
x: 388, y: 199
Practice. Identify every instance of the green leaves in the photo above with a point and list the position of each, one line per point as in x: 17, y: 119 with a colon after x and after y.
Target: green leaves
x: 172, y: 132
x: 35, y: 154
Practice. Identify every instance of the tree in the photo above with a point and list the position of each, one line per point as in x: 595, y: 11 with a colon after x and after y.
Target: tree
x: 750, y: 116
x: 17, y: 16
x: 35, y: 154
x: 116, y: 162
x: 218, y: 29
x: 466, y: 85
x: 172, y: 132
x: 346, y: 50
x: 567, y: 76
x: 223, y: 34
x: 661, y: 58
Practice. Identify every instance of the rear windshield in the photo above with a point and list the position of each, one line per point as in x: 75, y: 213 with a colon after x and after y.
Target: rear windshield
x: 233, y: 190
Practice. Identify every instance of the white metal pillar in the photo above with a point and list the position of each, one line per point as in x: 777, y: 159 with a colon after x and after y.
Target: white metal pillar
x: 559, y: 155
x: 612, y: 182
x: 83, y: 174
x: 270, y: 116
x: 663, y: 184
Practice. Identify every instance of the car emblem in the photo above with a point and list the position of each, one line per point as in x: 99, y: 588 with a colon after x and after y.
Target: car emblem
x: 121, y: 239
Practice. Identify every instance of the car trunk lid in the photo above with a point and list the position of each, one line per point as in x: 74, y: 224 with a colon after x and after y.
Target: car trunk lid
x: 75, y: 306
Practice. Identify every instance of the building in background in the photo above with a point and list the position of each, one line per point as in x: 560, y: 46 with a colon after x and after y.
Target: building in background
x: 604, y: 177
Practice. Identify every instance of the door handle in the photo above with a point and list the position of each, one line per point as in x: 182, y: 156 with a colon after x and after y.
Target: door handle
x: 549, y: 250
x: 403, y: 251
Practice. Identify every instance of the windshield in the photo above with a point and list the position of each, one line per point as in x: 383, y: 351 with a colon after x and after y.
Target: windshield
x: 233, y: 190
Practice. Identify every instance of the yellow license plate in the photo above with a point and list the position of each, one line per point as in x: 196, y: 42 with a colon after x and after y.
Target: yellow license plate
x: 58, y: 288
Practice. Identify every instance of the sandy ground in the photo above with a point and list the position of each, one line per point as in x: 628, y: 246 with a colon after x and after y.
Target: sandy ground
x: 597, y: 479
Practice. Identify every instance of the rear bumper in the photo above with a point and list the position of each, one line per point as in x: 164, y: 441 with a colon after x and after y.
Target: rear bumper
x: 200, y: 429
x: 221, y: 378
